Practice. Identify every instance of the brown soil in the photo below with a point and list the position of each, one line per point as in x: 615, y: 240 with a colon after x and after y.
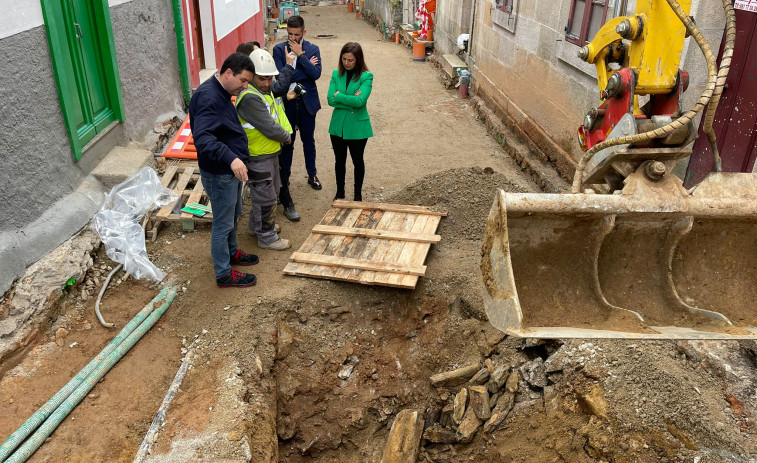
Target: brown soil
x: 268, y: 357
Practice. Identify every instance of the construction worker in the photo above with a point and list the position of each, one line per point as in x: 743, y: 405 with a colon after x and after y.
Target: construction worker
x: 267, y: 127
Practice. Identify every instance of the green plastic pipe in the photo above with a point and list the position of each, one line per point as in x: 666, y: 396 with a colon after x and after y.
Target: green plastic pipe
x: 49, y: 407
x: 60, y: 413
x: 181, y: 51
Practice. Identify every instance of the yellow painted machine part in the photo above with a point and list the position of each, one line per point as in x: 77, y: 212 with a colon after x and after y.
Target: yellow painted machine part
x: 655, y: 54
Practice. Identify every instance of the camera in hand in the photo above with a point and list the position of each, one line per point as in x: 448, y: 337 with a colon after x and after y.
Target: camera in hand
x: 299, y: 89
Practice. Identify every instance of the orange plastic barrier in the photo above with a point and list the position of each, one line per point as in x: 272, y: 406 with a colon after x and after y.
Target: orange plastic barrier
x: 182, y: 144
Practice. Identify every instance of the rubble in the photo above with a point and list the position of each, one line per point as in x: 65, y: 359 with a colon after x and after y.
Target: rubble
x: 404, y: 438
x: 455, y: 377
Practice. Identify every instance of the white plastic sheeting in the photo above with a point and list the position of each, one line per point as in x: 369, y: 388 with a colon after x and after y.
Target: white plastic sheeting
x: 118, y: 221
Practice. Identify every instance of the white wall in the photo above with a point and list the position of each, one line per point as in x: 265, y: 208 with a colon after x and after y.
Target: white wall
x: 23, y: 15
x: 230, y: 14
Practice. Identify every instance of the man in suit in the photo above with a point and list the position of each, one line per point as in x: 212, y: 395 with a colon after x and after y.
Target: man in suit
x: 300, y: 111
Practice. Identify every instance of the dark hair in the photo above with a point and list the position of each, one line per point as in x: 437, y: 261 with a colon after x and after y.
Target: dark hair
x: 296, y: 22
x: 238, y: 62
x: 357, y: 50
x: 247, y: 47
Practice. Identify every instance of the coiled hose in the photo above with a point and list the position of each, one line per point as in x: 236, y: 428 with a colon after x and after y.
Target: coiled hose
x: 725, y: 64
x: 688, y: 116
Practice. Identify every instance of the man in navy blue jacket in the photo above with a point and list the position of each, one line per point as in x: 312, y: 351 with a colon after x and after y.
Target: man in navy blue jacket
x: 300, y: 111
x: 222, y: 154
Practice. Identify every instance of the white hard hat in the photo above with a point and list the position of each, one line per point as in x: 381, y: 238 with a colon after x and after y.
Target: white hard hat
x: 263, y: 62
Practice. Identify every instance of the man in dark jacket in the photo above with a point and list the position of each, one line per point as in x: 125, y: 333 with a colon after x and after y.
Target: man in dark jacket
x: 300, y: 111
x: 222, y: 155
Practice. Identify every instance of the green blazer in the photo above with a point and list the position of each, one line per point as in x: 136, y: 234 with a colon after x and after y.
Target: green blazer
x: 350, y: 119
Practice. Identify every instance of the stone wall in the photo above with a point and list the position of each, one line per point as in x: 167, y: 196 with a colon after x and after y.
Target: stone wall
x: 523, y: 59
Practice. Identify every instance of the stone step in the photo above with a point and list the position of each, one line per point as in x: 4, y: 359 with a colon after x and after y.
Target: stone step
x: 120, y: 163
x: 451, y: 63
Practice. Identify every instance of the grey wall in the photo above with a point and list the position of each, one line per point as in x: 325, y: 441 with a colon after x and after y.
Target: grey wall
x: 37, y: 165
x: 147, y: 61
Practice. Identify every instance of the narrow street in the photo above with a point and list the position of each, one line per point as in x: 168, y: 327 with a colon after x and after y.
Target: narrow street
x: 264, y: 384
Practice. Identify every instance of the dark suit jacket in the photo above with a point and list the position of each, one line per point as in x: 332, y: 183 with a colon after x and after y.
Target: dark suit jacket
x: 306, y: 73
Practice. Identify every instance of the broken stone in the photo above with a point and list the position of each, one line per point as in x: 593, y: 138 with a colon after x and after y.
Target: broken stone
x: 500, y: 412
x: 489, y: 365
x: 234, y: 436
x: 455, y: 377
x: 345, y: 371
x: 468, y: 426
x: 497, y: 379
x: 481, y: 377
x: 593, y: 402
x: 84, y: 294
x: 284, y: 341
x: 404, y: 438
x: 479, y: 402
x: 458, y: 408
x: 512, y: 382
x: 437, y: 434
x: 534, y: 373
x: 61, y: 333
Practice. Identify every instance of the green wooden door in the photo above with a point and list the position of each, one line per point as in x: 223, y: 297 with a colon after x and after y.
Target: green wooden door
x: 81, y: 46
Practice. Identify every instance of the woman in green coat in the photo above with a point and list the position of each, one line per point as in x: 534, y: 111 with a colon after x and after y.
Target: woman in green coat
x: 350, y: 126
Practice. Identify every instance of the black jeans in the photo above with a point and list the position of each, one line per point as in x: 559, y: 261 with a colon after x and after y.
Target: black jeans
x: 356, y: 148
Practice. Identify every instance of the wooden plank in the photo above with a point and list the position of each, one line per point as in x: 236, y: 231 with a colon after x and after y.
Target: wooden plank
x: 181, y: 185
x: 393, y: 253
x: 378, y: 234
x: 357, y: 247
x: 420, y: 251
x: 307, y: 246
x: 318, y: 243
x: 406, y: 254
x: 168, y: 175
x: 337, y: 243
x: 383, y: 246
x: 357, y: 263
x: 387, y: 207
x: 197, y: 192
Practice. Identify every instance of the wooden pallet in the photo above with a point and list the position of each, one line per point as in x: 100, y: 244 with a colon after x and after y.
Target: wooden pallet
x: 368, y: 243
x: 185, y: 181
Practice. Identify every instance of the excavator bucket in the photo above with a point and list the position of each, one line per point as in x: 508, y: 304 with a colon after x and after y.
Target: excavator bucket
x: 654, y: 262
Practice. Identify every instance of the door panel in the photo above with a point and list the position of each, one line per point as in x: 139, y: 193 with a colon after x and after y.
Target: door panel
x: 735, y: 122
x: 92, y: 65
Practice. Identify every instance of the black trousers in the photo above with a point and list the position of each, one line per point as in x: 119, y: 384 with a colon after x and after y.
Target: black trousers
x: 356, y: 149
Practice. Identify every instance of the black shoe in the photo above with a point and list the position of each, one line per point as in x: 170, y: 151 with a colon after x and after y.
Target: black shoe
x: 242, y: 258
x: 358, y: 197
x: 291, y: 213
x: 339, y: 196
x: 314, y: 182
x: 236, y: 279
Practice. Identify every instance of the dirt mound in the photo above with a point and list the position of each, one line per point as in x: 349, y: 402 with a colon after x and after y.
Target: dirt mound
x: 465, y: 194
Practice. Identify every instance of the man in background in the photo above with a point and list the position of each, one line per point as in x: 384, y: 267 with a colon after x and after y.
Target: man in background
x: 301, y: 111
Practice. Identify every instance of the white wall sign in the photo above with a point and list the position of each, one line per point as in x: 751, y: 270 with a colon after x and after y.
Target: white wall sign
x: 230, y: 14
x: 747, y: 5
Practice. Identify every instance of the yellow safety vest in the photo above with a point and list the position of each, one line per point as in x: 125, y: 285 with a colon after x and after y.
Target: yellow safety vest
x: 258, y: 143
